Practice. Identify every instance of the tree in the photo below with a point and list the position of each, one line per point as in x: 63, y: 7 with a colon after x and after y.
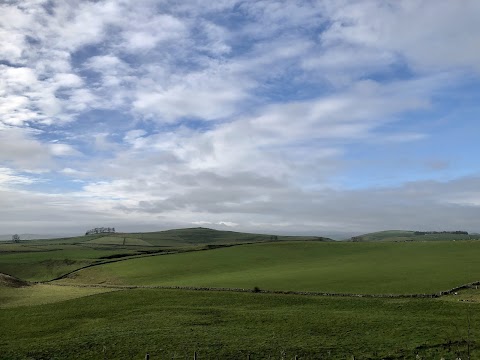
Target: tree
x: 16, y: 238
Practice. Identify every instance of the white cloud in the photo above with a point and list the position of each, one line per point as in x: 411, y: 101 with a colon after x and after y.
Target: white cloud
x: 429, y: 37
x: 227, y: 223
x: 209, y: 95
x: 168, y: 112
x: 20, y: 148
x: 8, y: 177
x: 63, y: 150
x: 145, y: 32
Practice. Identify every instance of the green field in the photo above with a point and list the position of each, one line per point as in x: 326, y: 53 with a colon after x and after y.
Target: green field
x: 168, y: 323
x: 85, y: 315
x: 118, y: 240
x: 43, y: 294
x: 363, y: 268
x: 41, y: 260
x: 53, y: 260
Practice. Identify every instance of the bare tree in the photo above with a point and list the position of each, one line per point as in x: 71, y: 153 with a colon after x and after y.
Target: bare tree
x: 16, y: 238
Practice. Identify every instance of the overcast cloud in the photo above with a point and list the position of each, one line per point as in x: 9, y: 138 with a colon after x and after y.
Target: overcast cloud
x: 271, y: 116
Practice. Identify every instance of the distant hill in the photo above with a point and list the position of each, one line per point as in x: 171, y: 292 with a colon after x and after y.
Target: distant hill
x: 7, y: 237
x: 178, y: 237
x: 408, y: 235
x: 203, y: 236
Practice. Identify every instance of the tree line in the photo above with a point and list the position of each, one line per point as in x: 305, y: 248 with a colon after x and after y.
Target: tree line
x: 100, y: 230
x: 458, y: 232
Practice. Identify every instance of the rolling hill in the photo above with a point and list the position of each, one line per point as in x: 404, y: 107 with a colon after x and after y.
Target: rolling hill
x: 339, y: 267
x: 41, y: 260
x: 114, y: 308
x: 408, y: 235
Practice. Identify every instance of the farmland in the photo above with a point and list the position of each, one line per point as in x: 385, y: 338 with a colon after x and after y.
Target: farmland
x: 46, y: 259
x: 94, y: 313
x: 364, y: 268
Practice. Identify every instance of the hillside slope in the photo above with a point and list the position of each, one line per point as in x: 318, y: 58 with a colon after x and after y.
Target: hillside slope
x: 406, y: 235
x: 11, y: 282
x: 174, y: 237
x: 337, y: 267
x: 41, y: 260
x: 203, y: 236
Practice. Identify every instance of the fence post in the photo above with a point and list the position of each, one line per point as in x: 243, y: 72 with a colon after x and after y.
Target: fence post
x: 194, y: 355
x: 147, y: 356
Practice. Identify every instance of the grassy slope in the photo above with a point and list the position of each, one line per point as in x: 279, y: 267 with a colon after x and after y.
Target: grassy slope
x: 43, y: 294
x: 370, y: 268
x: 127, y: 324
x: 168, y: 323
x: 7, y: 281
x: 119, y: 240
x: 404, y: 235
x: 202, y: 236
x: 39, y: 260
x: 53, y: 261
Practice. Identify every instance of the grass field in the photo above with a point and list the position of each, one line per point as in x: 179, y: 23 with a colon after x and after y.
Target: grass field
x: 52, y: 261
x: 41, y: 260
x: 43, y: 294
x: 365, y: 268
x: 66, y: 320
x: 119, y: 240
x: 172, y: 324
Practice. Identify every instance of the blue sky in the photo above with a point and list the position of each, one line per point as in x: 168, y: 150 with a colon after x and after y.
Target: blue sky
x: 315, y: 117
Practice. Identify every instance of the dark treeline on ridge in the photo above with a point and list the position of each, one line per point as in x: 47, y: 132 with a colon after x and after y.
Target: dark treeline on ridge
x: 100, y: 230
x: 458, y: 232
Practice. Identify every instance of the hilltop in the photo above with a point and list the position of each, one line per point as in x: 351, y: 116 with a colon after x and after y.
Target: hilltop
x: 410, y: 235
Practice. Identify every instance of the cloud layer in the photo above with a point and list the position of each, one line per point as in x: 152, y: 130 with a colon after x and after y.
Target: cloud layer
x: 274, y: 116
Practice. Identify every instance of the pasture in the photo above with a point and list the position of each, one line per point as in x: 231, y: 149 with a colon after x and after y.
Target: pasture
x: 42, y: 260
x: 49, y: 261
x: 174, y: 323
x: 39, y: 294
x: 362, y: 268
x: 91, y: 314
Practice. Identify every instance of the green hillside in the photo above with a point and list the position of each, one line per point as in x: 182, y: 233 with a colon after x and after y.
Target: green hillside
x: 119, y: 240
x: 53, y: 261
x: 174, y: 237
x: 203, y: 236
x: 40, y: 260
x: 405, y: 235
x: 348, y: 267
x: 172, y: 324
x: 89, y: 314
x: 40, y: 294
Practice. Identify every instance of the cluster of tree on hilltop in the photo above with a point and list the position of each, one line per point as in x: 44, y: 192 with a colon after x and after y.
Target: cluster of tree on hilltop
x: 100, y: 230
x: 458, y: 232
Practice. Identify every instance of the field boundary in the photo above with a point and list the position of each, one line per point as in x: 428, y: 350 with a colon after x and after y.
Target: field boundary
x: 280, y: 292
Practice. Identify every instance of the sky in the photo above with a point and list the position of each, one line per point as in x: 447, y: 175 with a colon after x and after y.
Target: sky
x: 287, y: 117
